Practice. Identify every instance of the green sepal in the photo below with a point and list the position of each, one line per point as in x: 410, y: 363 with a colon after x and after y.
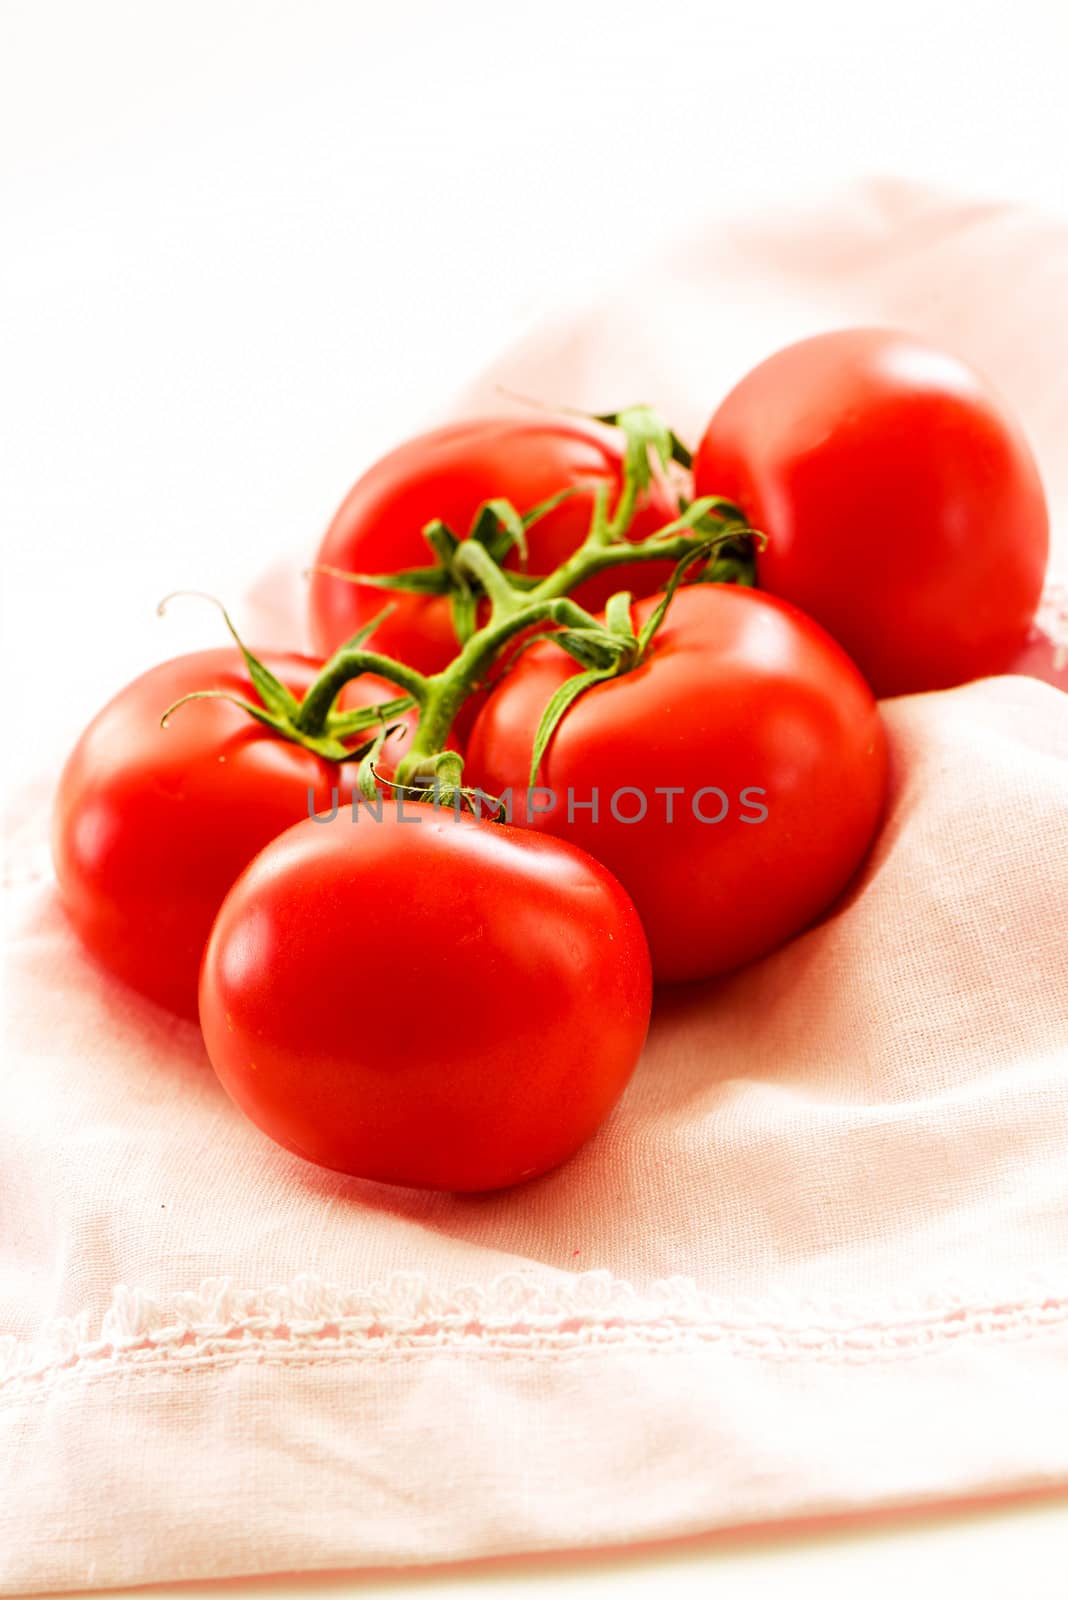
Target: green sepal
x: 432, y: 766
x: 644, y: 431
x: 590, y: 647
x: 326, y: 745
x: 498, y: 527
x: 507, y: 663
x: 275, y: 696
x: 721, y: 530
x: 343, y: 724
x: 711, y: 514
x: 361, y: 636
x: 617, y: 616
x: 733, y: 563
x: 560, y: 703
x: 435, y: 777
x: 720, y: 509
x: 550, y: 503
x: 261, y: 714
x: 669, y: 447
x: 441, y: 539
x: 646, y: 434
x: 366, y: 776
x: 655, y: 618
x: 332, y: 749
x: 599, y: 644
x: 679, y: 451
x: 463, y: 604
x: 412, y: 580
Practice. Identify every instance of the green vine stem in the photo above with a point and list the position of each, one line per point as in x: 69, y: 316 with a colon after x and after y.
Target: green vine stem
x: 342, y: 667
x: 514, y: 611
x: 447, y: 691
x: 518, y: 604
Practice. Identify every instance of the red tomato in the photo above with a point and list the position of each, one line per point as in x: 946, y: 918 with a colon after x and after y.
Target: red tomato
x: 521, y: 961
x: 152, y: 825
x: 743, y: 706
x: 448, y: 474
x: 902, y: 503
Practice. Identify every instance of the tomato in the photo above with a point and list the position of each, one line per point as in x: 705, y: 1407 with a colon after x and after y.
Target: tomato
x: 152, y: 825
x: 425, y: 999
x: 901, y: 501
x: 448, y: 474
x: 738, y: 772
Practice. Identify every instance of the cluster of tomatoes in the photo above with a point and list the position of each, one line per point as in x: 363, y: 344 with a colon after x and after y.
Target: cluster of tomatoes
x: 668, y: 705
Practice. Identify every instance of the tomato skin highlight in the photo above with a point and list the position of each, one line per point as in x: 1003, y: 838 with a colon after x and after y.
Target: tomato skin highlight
x: 448, y: 473
x: 740, y: 692
x: 902, y: 503
x: 152, y: 825
x: 437, y: 1001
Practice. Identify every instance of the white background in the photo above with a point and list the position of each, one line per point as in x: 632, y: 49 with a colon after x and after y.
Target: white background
x: 250, y: 245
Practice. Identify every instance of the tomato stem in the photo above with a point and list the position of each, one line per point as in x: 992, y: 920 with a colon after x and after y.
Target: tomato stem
x: 342, y: 667
x: 448, y: 690
x: 518, y: 603
x: 513, y: 611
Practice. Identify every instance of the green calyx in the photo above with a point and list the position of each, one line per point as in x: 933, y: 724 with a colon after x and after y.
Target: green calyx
x: 648, y: 438
x: 493, y: 605
x: 625, y: 648
x: 496, y: 529
x: 356, y: 735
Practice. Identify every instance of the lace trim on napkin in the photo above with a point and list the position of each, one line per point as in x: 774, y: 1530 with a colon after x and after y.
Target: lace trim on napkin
x: 312, y: 1321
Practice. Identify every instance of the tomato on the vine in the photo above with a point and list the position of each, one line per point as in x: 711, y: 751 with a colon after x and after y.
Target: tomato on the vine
x: 902, y: 505
x: 448, y: 474
x: 424, y: 998
x: 152, y: 825
x: 732, y: 781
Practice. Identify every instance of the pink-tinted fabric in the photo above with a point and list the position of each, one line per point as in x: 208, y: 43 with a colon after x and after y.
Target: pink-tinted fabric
x: 817, y: 1261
